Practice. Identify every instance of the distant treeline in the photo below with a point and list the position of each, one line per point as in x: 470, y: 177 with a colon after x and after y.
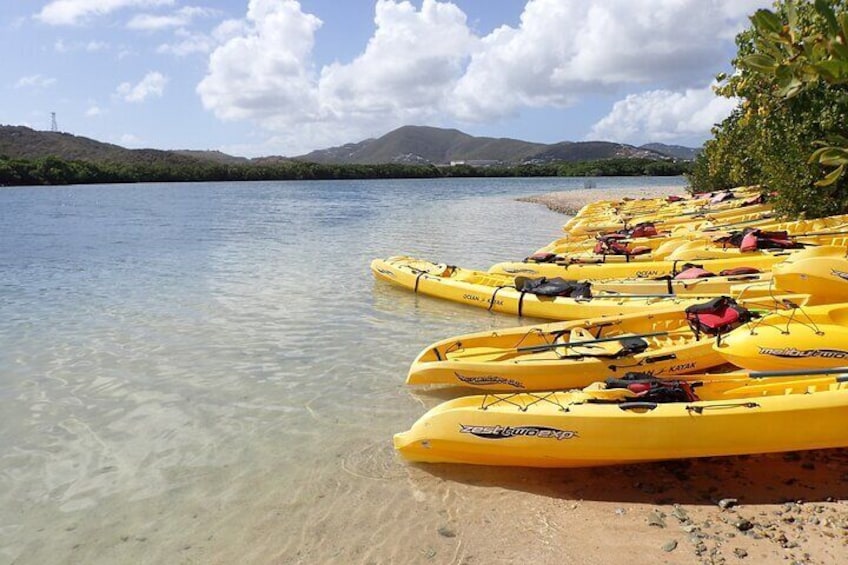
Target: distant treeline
x: 55, y: 171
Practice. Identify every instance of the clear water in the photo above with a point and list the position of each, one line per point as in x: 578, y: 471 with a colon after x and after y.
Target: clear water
x: 209, y: 373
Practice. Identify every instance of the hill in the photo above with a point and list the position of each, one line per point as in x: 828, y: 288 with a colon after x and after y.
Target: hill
x: 19, y: 142
x: 405, y: 145
x: 421, y: 144
x: 674, y: 151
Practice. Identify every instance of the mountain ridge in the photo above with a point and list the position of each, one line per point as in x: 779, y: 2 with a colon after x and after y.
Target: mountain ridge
x: 407, y: 144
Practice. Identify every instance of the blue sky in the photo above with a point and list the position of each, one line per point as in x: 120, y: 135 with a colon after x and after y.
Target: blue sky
x: 281, y: 77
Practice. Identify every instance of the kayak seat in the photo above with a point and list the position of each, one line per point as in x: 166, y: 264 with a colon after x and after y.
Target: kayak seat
x: 758, y: 239
x: 718, y: 316
x: 693, y: 272
x: 541, y: 257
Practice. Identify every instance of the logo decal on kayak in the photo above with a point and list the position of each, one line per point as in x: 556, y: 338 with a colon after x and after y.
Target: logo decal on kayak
x: 488, y: 380
x: 506, y: 432
x: 385, y: 272
x: 841, y: 274
x: 804, y: 353
x: 475, y: 298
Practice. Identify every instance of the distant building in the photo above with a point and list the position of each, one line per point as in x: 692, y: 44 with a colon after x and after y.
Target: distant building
x: 476, y: 162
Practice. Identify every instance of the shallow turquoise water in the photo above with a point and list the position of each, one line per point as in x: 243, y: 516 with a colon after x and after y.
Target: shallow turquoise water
x: 209, y: 373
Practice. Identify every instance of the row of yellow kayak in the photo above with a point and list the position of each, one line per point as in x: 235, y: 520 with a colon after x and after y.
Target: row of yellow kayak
x: 733, y: 339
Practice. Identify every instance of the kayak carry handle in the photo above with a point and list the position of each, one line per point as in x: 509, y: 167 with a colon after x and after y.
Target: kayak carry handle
x: 637, y: 405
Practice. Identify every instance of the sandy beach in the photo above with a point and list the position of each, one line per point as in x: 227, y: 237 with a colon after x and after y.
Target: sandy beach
x: 790, y: 507
x: 570, y: 201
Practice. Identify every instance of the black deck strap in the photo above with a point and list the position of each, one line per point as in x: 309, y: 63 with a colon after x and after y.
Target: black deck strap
x: 674, y: 267
x: 521, y: 303
x: 494, y: 294
x: 417, y: 278
x: 668, y: 285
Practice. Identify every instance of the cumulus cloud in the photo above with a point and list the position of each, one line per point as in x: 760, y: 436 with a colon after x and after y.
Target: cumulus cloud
x: 405, y: 73
x: 265, y: 71
x: 409, y: 67
x: 563, y: 50
x: 72, y: 12
x: 153, y: 84
x: 35, y: 81
x: 663, y: 115
x: 426, y: 65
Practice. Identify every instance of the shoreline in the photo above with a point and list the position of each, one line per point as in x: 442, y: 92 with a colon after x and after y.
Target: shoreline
x: 765, y: 508
x: 569, y: 202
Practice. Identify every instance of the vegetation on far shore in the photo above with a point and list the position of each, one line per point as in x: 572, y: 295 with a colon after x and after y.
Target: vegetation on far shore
x: 55, y: 171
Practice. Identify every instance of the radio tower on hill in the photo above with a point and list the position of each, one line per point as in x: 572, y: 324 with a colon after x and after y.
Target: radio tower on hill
x: 53, y: 125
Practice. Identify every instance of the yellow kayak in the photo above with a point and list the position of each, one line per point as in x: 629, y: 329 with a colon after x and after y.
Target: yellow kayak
x: 666, y: 220
x: 566, y: 354
x: 704, y: 231
x: 802, y: 338
x: 761, y: 260
x: 498, y: 292
x: 636, y: 421
x: 806, y: 271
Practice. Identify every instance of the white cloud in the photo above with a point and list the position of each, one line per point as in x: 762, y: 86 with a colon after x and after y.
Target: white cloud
x: 565, y: 49
x: 153, y: 84
x: 188, y: 44
x: 93, y: 46
x: 426, y: 65
x: 73, y: 12
x: 663, y: 115
x: 130, y: 140
x: 35, y: 81
x: 181, y: 18
x: 265, y: 71
x: 409, y: 67
x: 405, y: 73
x: 61, y: 46
x: 93, y: 111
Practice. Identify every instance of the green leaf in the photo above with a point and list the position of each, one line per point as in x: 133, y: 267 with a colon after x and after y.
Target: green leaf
x: 826, y: 12
x: 832, y: 158
x: 760, y: 63
x: 831, y: 177
x: 839, y: 50
x: 831, y: 71
x: 843, y: 25
x: 767, y: 21
x: 791, y: 17
x: 791, y: 89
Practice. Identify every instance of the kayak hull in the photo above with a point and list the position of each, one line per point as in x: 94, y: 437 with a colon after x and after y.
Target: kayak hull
x: 805, y: 338
x: 562, y: 429
x: 565, y: 354
x: 497, y: 293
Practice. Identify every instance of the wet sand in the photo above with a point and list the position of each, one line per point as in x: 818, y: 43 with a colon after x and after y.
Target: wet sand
x: 753, y: 509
